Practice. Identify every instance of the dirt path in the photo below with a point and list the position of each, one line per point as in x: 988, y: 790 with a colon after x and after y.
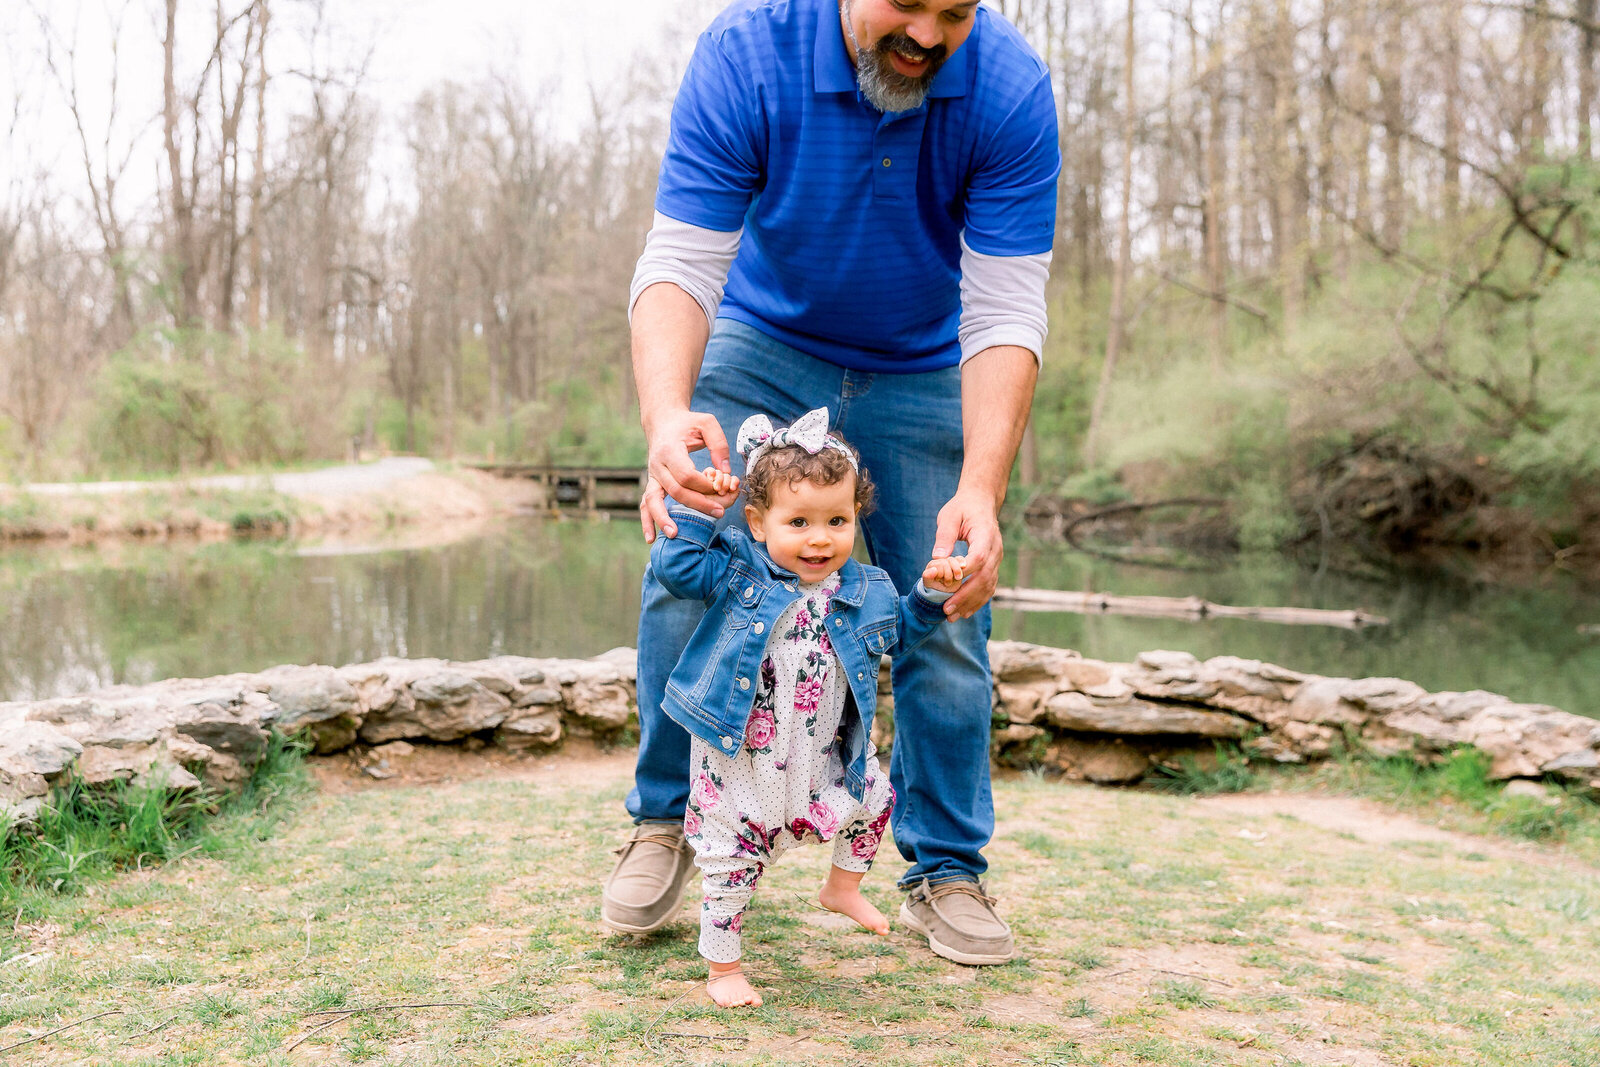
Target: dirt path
x: 343, y: 508
x: 346, y: 480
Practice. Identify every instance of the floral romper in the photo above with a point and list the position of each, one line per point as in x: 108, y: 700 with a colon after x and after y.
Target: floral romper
x: 786, y: 785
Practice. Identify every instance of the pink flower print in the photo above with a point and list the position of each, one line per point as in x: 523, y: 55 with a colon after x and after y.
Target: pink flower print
x: 802, y: 619
x: 865, y: 846
x: 760, y: 728
x: 807, y: 693
x: 738, y: 923
x: 823, y: 819
x: 769, y: 675
x: 823, y: 643
x: 691, y: 824
x: 877, y: 825
x: 706, y: 793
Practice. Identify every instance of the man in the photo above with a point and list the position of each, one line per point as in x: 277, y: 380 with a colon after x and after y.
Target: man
x: 855, y: 211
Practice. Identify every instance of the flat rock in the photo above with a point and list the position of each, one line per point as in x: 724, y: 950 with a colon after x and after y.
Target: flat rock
x: 1082, y: 713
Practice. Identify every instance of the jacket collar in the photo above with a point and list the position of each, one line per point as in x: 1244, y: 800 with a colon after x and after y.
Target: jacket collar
x: 833, y: 72
x: 852, y: 578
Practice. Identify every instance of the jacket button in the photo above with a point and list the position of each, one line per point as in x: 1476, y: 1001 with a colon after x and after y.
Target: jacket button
x: 838, y: 622
x: 759, y: 627
x: 727, y: 742
x: 859, y: 675
x: 749, y: 590
x: 744, y: 683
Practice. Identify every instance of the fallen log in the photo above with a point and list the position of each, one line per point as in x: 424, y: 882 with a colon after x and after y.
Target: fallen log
x: 1189, y: 607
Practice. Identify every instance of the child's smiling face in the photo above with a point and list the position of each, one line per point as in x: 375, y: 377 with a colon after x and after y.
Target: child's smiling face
x: 808, y: 528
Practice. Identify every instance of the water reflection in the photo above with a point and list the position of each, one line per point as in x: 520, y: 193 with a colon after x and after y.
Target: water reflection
x: 1444, y: 633
x: 73, y: 620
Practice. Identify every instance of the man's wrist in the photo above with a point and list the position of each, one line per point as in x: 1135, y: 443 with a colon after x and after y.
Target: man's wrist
x: 979, y: 489
x: 658, y: 416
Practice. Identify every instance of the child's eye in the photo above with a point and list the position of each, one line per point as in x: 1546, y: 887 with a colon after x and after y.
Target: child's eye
x: 798, y: 524
x: 837, y: 520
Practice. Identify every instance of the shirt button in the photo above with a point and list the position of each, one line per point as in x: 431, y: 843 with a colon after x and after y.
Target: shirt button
x: 744, y: 683
x: 886, y: 161
x: 759, y: 627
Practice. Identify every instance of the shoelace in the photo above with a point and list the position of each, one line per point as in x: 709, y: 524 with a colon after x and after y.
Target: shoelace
x: 962, y: 886
x: 664, y: 838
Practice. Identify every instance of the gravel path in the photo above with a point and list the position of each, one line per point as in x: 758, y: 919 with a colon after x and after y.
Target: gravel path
x: 346, y: 480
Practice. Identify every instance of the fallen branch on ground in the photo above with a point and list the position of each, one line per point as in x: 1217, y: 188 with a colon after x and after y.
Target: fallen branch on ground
x: 1190, y: 607
x: 345, y: 1013
x: 60, y: 1029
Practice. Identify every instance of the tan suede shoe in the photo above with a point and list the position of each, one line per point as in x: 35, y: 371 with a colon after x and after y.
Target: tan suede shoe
x: 959, y: 921
x: 645, y: 889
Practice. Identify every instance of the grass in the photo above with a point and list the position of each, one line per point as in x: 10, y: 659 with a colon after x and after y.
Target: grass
x: 1151, y: 932
x: 89, y: 833
x: 179, y: 509
x: 1457, y: 790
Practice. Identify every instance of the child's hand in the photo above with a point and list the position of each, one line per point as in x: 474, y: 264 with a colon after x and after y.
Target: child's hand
x: 945, y: 574
x: 722, y: 484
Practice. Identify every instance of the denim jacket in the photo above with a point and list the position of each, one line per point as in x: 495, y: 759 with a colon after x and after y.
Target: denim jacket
x: 711, y: 690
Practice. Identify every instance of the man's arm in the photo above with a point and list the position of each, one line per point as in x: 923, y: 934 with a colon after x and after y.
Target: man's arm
x: 710, y: 170
x: 669, y: 340
x: 996, y: 396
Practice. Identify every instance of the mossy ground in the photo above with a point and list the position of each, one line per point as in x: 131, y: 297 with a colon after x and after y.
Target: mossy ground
x: 1153, y: 929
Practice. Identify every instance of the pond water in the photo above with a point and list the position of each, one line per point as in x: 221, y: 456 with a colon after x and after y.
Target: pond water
x: 76, y: 619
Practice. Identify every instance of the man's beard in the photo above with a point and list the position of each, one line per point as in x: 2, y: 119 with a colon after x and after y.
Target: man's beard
x: 884, y: 87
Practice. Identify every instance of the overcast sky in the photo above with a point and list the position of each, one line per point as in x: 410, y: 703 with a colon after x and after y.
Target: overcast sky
x: 558, y: 48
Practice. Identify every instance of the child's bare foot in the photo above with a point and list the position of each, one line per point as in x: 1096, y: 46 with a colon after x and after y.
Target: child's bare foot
x: 842, y: 893
x: 730, y: 988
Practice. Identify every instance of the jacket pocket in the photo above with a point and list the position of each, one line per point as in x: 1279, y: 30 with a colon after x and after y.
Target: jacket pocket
x: 744, y: 591
x: 878, y: 638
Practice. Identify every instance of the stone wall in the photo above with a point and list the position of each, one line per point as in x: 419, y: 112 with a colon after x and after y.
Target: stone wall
x: 1103, y: 722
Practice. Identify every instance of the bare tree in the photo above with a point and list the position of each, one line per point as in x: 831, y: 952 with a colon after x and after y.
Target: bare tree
x: 1119, y: 279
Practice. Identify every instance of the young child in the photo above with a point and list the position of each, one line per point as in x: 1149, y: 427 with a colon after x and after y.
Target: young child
x: 778, y: 685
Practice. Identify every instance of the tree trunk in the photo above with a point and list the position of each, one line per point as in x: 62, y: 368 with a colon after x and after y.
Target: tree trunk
x: 181, y: 205
x: 1215, y: 203
x: 258, y: 179
x: 1586, y: 78
x: 1287, y: 214
x: 1451, y: 193
x: 1119, y: 276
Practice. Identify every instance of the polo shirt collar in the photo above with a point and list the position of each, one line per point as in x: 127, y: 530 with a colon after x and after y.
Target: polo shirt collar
x: 834, y: 73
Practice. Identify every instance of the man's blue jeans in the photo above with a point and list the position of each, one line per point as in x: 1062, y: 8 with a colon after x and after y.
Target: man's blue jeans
x: 908, y: 430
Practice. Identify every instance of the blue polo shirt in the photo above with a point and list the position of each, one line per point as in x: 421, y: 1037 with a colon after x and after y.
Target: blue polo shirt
x: 853, y: 218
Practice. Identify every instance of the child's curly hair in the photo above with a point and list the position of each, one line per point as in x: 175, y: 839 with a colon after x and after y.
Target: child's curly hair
x: 791, y: 464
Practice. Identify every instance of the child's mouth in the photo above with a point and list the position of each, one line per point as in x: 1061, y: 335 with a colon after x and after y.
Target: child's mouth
x: 815, y: 561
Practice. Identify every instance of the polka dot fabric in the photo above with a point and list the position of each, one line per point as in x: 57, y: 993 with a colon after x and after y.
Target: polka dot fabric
x: 786, y: 785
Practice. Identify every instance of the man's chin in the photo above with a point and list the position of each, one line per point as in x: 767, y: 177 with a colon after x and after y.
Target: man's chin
x: 888, y: 89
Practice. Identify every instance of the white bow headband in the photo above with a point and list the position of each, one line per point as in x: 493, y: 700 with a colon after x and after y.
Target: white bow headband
x: 810, y: 432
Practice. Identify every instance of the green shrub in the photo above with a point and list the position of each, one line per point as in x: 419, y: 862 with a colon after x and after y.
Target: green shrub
x: 1229, y: 772
x: 89, y: 832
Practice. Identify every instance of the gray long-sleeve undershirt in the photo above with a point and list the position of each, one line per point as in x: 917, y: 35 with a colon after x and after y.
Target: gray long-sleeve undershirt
x: 1002, y: 297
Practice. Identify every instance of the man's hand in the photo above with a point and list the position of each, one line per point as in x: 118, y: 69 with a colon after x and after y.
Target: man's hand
x: 671, y: 473
x: 944, y: 575
x: 970, y: 517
